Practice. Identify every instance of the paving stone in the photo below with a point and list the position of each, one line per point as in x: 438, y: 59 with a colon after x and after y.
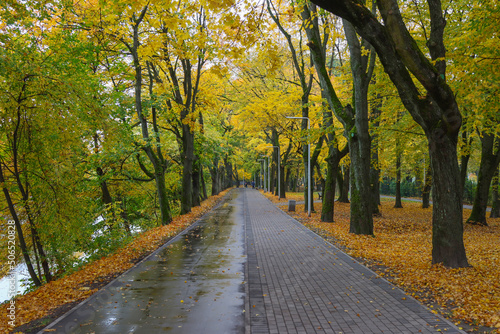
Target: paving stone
x: 313, y: 287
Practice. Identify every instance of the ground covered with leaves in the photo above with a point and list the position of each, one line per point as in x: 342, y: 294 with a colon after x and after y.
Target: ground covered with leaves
x: 401, y: 251
x: 38, y: 308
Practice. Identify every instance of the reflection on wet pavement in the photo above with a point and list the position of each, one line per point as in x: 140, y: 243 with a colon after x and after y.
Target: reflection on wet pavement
x: 193, y: 285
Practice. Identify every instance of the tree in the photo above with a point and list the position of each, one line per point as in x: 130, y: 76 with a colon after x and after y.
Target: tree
x: 299, y: 60
x: 355, y: 122
x: 436, y: 111
x: 490, y: 159
x: 495, y: 208
x: 475, y: 53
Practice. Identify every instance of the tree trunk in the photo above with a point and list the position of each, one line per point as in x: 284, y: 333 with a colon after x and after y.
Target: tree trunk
x: 187, y: 168
x: 447, y: 224
x: 306, y: 81
x: 41, y: 252
x: 355, y: 123
x: 361, y: 221
x: 328, y: 208
x: 490, y: 158
x: 398, y: 203
x: 314, y: 161
x: 345, y: 186
x: 375, y: 169
x: 495, y: 208
x: 464, y: 160
x: 214, y: 175
x: 426, y: 191
x: 19, y: 230
x: 229, y: 173
x: 222, y: 179
x: 107, y: 200
x: 166, y: 216
x: 282, y: 183
x: 155, y: 155
x: 203, y: 185
x: 288, y: 180
x: 196, y: 182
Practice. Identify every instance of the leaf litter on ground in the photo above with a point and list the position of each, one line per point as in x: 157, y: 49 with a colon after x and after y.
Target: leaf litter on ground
x: 401, y: 252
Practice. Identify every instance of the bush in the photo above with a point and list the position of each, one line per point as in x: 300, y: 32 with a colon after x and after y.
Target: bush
x: 469, y: 191
x: 408, y: 188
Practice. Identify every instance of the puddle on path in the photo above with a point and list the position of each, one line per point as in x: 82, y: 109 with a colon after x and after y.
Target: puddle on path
x: 194, y: 285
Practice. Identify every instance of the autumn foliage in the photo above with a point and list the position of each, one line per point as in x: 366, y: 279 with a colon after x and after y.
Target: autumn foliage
x: 80, y: 284
x: 401, y: 252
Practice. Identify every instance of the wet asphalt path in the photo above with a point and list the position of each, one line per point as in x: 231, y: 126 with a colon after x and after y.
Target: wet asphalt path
x: 194, y: 284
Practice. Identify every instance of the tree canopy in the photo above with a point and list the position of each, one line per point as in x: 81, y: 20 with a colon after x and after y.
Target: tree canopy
x: 118, y: 116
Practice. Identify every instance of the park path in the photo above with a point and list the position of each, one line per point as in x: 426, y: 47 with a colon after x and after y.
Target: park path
x: 300, y: 283
x: 248, y: 267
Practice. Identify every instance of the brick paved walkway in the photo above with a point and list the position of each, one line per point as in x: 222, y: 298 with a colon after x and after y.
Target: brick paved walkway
x: 299, y: 283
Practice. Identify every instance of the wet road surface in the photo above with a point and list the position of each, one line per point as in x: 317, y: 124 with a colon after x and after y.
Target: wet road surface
x: 195, y: 284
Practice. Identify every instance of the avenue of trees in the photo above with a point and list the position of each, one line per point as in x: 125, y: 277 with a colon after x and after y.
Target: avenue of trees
x: 116, y: 116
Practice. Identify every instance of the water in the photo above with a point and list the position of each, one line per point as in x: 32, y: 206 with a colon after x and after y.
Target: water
x: 20, y: 274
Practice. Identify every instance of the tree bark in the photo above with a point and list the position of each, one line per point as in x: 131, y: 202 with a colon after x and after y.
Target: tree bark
x: 398, y: 203
x: 187, y: 168
x: 490, y: 158
x: 196, y: 182
x: 464, y: 159
x: 495, y: 207
x: 345, y: 186
x: 107, y: 200
x: 359, y: 140
x: 25, y: 194
x: 361, y: 221
x: 214, y: 175
x: 328, y: 207
x: 426, y: 191
x: 228, y: 182
x: 19, y: 230
x: 203, y: 185
x: 447, y: 226
x: 375, y: 169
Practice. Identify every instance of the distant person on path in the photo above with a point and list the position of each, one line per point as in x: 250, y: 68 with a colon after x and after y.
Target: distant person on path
x: 253, y: 184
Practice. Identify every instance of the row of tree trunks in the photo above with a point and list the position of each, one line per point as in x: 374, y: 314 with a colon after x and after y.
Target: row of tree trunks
x: 221, y: 177
x: 21, y: 182
x: 437, y: 113
x: 490, y: 159
x: 306, y: 80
